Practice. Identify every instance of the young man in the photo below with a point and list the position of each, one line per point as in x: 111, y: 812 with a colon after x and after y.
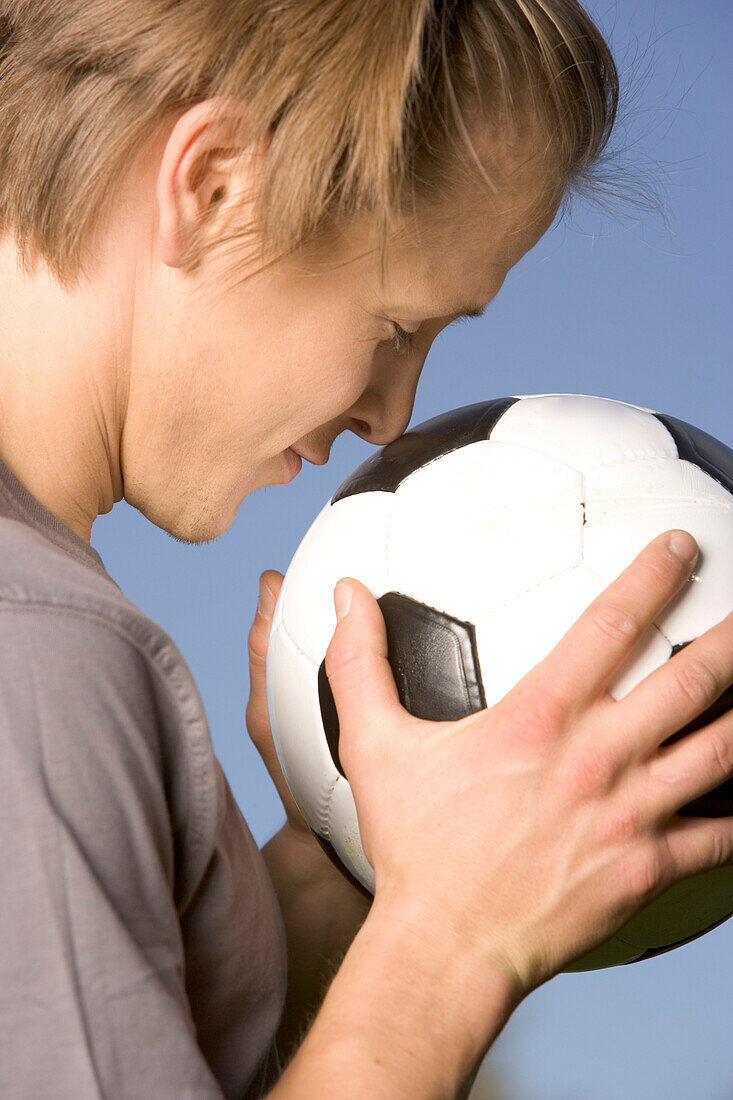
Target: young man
x: 233, y: 229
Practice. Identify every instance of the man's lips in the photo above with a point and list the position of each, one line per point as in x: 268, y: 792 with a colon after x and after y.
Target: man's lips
x: 310, y: 456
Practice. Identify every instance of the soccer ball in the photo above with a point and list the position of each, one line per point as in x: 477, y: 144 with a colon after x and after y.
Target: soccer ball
x: 484, y: 533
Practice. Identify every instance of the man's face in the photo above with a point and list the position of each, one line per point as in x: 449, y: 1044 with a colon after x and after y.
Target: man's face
x: 302, y: 351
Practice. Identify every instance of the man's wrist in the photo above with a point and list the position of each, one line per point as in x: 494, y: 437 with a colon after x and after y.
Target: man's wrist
x: 403, y: 1016
x: 467, y: 986
x: 321, y: 912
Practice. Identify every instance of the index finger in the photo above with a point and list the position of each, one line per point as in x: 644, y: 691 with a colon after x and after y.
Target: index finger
x: 599, y: 642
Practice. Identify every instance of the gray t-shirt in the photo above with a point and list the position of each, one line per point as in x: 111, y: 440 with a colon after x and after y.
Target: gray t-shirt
x: 142, y: 950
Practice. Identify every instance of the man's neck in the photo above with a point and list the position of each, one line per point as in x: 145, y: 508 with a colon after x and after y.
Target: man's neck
x: 59, y: 419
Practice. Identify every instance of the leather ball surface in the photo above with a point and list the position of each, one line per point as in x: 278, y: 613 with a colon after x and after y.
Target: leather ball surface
x: 484, y: 533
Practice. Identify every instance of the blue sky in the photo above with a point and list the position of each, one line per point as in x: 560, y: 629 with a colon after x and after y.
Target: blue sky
x: 629, y: 306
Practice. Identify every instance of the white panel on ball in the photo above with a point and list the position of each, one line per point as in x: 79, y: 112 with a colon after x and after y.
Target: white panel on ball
x: 347, y: 539
x: 630, y: 504
x: 297, y: 729
x: 515, y: 637
x: 527, y: 396
x: 651, y: 483
x: 481, y: 525
x: 585, y: 431
x: 613, y: 542
x: 343, y: 832
x: 299, y: 553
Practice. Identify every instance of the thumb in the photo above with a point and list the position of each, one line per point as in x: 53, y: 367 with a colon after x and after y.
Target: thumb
x: 358, y: 671
x: 257, y: 717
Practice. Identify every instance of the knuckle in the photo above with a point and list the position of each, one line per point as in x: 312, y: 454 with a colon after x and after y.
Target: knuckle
x: 721, y: 847
x: 257, y: 649
x: 588, y: 774
x: 669, y: 772
x: 614, y: 621
x: 646, y: 873
x: 360, y: 753
x: 353, y: 751
x: 257, y: 720
x: 697, y: 682
x: 627, y: 821
x: 534, y: 712
x: 341, y: 657
x: 721, y: 751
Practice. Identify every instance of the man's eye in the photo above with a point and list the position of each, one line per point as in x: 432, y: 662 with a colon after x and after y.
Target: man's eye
x: 402, y: 341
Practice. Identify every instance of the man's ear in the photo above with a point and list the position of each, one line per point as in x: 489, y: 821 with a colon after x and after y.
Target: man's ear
x: 206, y: 170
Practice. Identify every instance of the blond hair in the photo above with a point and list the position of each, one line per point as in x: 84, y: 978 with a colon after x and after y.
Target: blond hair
x: 365, y: 103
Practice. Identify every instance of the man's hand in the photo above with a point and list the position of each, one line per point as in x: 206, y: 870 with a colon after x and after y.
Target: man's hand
x: 321, y: 909
x: 564, y: 799
x: 258, y: 719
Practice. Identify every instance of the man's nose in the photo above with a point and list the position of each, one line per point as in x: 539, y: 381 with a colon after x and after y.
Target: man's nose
x: 383, y: 411
x: 381, y: 429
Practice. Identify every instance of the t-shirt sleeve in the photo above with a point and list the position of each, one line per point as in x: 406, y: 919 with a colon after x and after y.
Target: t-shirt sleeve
x: 92, y: 983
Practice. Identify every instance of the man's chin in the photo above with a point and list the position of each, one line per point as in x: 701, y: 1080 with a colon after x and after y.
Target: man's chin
x: 201, y: 519
x: 197, y: 523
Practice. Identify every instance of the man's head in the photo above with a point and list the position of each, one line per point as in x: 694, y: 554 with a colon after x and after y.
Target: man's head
x: 233, y: 204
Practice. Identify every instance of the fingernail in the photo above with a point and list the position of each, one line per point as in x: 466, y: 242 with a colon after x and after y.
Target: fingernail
x: 266, y: 600
x: 683, y: 546
x: 341, y: 600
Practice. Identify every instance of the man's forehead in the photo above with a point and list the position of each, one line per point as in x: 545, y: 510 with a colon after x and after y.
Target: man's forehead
x: 455, y: 279
x: 459, y: 264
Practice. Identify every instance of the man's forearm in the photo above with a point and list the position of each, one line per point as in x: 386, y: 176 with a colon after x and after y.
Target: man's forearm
x: 322, y: 912
x: 400, y: 1021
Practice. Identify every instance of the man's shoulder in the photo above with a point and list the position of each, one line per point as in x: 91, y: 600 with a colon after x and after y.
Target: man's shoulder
x: 34, y: 570
x: 81, y: 665
x: 122, y: 840
x: 45, y: 582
